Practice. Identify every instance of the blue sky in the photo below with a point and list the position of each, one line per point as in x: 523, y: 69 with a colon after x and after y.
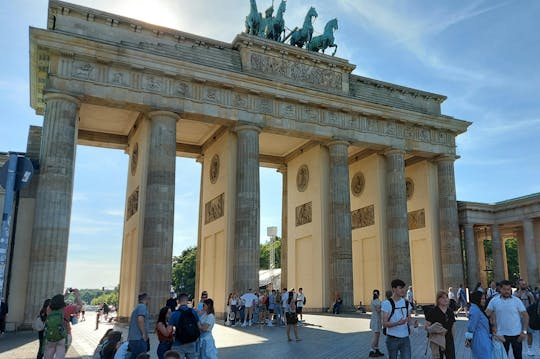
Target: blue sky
x: 483, y: 55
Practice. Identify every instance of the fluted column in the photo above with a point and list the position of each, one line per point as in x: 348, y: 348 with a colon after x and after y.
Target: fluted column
x: 340, y: 231
x: 450, y: 245
x: 530, y: 249
x: 473, y: 274
x: 398, y: 250
x: 53, y: 201
x: 246, y: 241
x: 159, y: 209
x: 284, y: 224
x: 497, y: 248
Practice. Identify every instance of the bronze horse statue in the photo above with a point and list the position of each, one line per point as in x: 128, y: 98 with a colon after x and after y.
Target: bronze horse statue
x: 302, y: 36
x: 253, y: 20
x: 276, y: 26
x: 325, y: 40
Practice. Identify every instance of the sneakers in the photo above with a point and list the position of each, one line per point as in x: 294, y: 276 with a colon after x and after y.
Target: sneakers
x: 530, y: 352
x: 244, y: 324
x: 375, y: 354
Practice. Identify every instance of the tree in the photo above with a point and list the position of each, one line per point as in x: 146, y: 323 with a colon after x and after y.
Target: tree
x: 264, y: 259
x: 110, y: 298
x: 512, y: 260
x: 183, y: 272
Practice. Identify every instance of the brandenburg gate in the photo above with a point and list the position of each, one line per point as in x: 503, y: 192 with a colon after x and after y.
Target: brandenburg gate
x: 367, y: 166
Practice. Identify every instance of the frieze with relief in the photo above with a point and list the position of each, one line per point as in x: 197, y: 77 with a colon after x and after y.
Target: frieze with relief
x: 302, y: 178
x: 363, y: 217
x: 153, y: 83
x: 303, y: 214
x: 213, y: 209
x: 295, y: 71
x: 119, y: 78
x: 416, y: 219
x: 358, y: 183
x: 84, y: 70
x: 214, y: 169
x: 132, y: 203
x: 182, y: 89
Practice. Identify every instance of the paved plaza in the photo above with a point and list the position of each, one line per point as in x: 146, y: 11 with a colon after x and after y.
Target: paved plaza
x: 323, y: 336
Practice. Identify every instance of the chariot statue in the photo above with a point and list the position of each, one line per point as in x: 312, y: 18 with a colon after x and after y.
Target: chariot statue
x: 325, y: 40
x: 302, y: 36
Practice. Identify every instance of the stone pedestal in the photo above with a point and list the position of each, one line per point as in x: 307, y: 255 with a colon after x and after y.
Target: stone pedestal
x: 53, y: 202
x: 497, y: 250
x: 473, y: 266
x: 157, y: 243
x: 246, y: 241
x: 340, y: 235
x: 450, y: 246
x: 284, y: 224
x: 530, y: 250
x: 398, y: 257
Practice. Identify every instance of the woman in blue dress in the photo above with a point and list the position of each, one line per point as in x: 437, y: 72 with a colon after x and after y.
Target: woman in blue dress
x: 478, y: 334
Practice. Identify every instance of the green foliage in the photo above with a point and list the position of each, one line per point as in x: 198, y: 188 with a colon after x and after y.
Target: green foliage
x: 183, y: 271
x: 512, y: 259
x: 111, y: 298
x: 264, y: 259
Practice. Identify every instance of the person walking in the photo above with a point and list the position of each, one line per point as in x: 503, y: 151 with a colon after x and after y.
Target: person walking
x: 138, y: 327
x: 207, y: 345
x: 477, y: 336
x: 187, y: 327
x: 396, y: 318
x: 527, y: 298
x: 41, y: 334
x: 375, y: 325
x: 164, y: 331
x: 444, y: 315
x: 300, y: 300
x: 462, y: 300
x: 510, y: 318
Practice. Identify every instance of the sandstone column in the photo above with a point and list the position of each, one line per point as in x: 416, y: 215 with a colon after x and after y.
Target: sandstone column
x: 156, y: 258
x: 398, y: 255
x: 530, y: 249
x: 497, y: 248
x: 284, y: 223
x: 246, y: 241
x: 53, y: 201
x: 450, y: 245
x: 473, y: 274
x: 340, y: 230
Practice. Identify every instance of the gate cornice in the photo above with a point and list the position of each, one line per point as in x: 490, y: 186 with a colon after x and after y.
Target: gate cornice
x: 86, y: 68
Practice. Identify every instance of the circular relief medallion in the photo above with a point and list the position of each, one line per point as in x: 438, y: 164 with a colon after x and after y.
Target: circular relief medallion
x: 302, y: 178
x: 214, y: 169
x: 409, y: 185
x: 134, y: 159
x: 357, y: 184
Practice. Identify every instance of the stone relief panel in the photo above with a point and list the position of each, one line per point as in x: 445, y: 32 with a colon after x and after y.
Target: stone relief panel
x: 134, y: 159
x: 303, y: 214
x: 153, y: 83
x: 363, y: 217
x: 287, y: 110
x: 358, y: 183
x: 298, y: 72
x: 211, y: 94
x: 416, y: 219
x: 213, y: 209
x: 409, y: 187
x: 302, y: 178
x: 84, y: 70
x: 264, y: 105
x: 119, y: 77
x: 182, y: 89
x: 240, y: 100
x: 132, y: 203
x: 332, y: 119
x: 310, y: 115
x: 214, y: 169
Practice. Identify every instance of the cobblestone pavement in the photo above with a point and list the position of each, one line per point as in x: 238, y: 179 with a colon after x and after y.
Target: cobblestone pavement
x: 323, y: 336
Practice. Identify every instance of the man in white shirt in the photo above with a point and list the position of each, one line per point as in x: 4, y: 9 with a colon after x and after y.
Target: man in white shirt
x: 300, y: 297
x: 396, y: 321
x: 249, y: 299
x: 511, y: 318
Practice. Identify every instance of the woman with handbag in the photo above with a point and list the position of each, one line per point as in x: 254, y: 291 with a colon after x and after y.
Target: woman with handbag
x: 39, y: 325
x: 292, y: 319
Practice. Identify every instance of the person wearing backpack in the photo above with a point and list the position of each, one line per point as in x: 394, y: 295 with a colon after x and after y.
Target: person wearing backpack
x: 58, y: 326
x: 396, y: 318
x: 187, y: 326
x: 138, y: 327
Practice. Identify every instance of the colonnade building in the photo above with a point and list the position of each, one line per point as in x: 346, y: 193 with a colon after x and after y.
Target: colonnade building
x: 367, y: 166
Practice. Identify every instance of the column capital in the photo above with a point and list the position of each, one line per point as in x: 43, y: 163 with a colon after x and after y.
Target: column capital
x: 282, y: 169
x: 156, y: 113
x: 338, y: 142
x: 446, y: 158
x: 246, y: 127
x: 393, y: 151
x: 60, y: 96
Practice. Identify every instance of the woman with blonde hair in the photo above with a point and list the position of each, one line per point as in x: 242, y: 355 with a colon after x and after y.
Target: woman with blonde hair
x: 440, y: 320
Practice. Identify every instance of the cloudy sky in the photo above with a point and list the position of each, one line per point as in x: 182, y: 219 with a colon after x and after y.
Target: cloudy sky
x: 483, y: 55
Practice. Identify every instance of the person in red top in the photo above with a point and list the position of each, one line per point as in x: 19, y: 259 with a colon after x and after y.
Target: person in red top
x: 164, y: 332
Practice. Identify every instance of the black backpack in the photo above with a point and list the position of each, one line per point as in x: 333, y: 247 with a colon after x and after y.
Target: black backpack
x: 534, y: 316
x: 394, y: 309
x: 187, y: 328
